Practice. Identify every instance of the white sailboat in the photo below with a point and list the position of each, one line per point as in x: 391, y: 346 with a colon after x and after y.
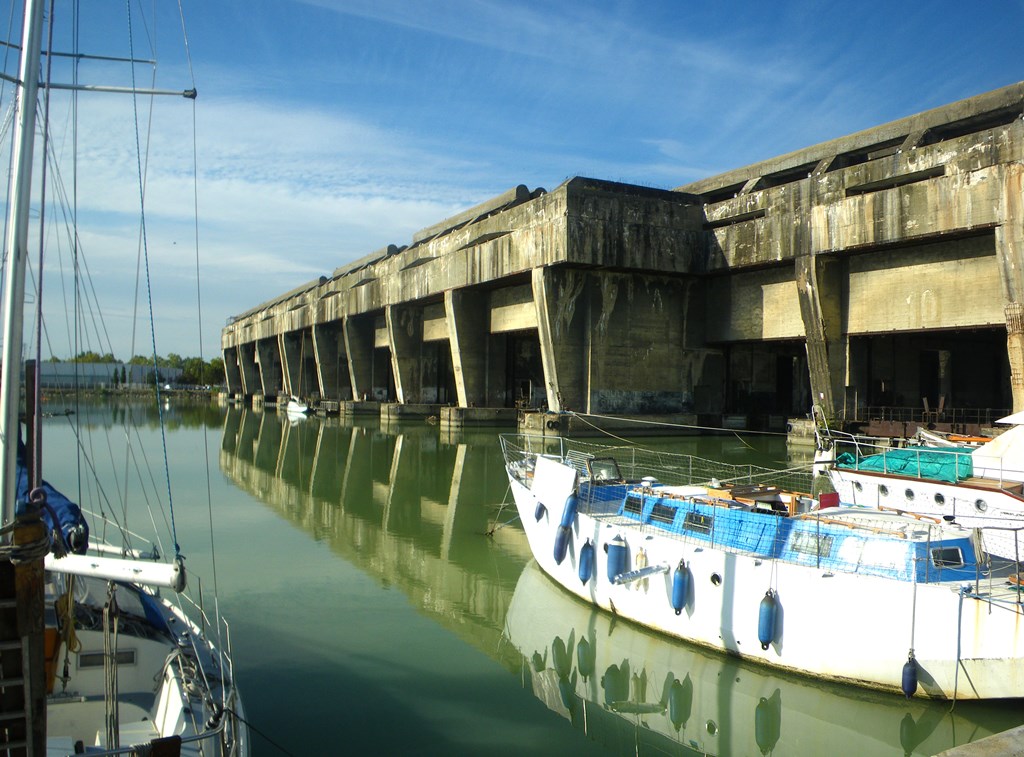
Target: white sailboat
x: 99, y: 652
x: 878, y: 599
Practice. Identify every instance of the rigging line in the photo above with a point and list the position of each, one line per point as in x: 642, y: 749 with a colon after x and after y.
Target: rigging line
x: 37, y: 422
x: 149, y: 290
x: 199, y: 307
x: 76, y: 240
x: 672, y: 425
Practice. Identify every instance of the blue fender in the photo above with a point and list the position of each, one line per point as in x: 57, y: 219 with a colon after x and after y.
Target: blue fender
x: 586, y: 569
x: 766, y: 619
x: 562, y: 537
x: 680, y: 587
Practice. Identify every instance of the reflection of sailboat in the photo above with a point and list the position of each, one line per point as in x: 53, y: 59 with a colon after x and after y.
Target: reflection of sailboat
x: 753, y: 570
x: 92, y: 658
x: 645, y: 694
x: 296, y: 408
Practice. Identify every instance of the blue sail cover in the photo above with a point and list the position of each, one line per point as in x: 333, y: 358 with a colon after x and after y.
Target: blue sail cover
x: 925, y: 462
x: 61, y: 516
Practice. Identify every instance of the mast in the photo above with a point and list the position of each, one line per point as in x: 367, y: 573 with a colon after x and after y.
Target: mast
x: 22, y: 606
x: 18, y: 204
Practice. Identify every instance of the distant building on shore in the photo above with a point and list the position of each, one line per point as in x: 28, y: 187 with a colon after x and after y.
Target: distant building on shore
x: 101, y: 375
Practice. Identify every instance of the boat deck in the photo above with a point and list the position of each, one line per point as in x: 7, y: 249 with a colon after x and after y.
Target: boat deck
x: 1001, y: 581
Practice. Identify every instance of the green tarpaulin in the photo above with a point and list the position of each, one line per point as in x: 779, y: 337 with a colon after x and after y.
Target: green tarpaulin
x: 925, y: 462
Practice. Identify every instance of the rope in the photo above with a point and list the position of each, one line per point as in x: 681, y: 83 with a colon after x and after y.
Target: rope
x: 501, y: 506
x: 202, y: 351
x: 111, y: 615
x: 259, y: 733
x: 664, y: 423
x: 18, y: 554
x: 65, y: 609
x: 149, y: 288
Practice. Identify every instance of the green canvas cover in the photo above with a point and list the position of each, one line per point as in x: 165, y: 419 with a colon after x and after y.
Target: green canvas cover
x: 922, y: 462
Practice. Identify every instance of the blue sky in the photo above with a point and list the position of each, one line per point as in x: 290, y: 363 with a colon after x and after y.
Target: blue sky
x: 328, y: 129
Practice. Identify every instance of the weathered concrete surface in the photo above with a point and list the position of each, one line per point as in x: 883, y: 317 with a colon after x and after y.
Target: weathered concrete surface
x: 606, y: 298
x: 460, y: 417
x: 1006, y: 744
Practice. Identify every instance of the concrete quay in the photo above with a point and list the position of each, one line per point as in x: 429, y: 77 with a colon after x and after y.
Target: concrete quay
x: 1006, y: 744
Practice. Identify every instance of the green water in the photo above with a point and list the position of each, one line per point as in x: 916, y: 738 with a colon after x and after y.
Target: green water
x: 370, y: 576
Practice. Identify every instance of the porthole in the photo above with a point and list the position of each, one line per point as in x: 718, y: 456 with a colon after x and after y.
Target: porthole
x: 939, y: 499
x: 980, y: 505
x: 857, y: 486
x: 909, y: 494
x: 712, y: 728
x: 716, y: 579
x: 883, y: 490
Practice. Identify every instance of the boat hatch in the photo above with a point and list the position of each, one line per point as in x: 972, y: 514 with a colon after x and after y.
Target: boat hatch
x: 95, y: 659
x: 603, y: 469
x: 947, y: 557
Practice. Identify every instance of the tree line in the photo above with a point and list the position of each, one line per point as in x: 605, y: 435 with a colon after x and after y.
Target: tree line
x: 194, y: 370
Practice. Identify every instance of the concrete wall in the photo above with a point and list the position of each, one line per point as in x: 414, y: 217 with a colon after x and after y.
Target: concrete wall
x: 642, y: 300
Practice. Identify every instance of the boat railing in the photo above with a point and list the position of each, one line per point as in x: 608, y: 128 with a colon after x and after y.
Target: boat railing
x: 211, y: 733
x: 672, y: 468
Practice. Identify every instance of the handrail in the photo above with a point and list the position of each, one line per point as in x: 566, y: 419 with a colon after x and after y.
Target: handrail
x: 192, y: 738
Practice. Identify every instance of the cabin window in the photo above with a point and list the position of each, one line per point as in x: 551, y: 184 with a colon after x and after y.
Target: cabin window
x: 883, y: 490
x: 807, y: 543
x: 95, y: 659
x: 698, y: 522
x: 947, y: 557
x: 633, y: 505
x: 939, y: 499
x: 663, y: 513
x: 980, y: 505
x: 603, y: 469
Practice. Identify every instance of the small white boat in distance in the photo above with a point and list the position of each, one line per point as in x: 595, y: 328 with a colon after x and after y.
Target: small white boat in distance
x: 296, y: 408
x: 878, y: 599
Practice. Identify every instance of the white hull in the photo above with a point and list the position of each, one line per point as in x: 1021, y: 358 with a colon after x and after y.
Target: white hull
x: 851, y: 628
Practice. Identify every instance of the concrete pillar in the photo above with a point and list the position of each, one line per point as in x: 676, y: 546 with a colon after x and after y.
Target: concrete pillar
x: 358, y: 331
x: 819, y: 289
x: 232, y: 374
x: 248, y: 369
x: 1009, y: 239
x: 1015, y: 351
x: 329, y: 349
x: 268, y: 355
x: 298, y: 362
x: 556, y: 294
x: 290, y: 345
x: 466, y: 313
x: 405, y: 337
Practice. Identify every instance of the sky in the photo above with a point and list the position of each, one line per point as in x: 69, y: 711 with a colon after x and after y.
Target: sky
x: 327, y: 129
